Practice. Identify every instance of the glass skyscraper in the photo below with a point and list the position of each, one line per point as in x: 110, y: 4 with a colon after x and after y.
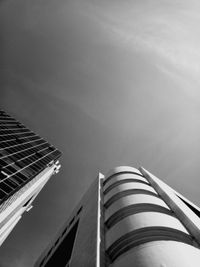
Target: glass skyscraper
x: 27, y: 161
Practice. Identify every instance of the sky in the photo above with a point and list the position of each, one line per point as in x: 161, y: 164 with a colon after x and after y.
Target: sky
x: 110, y: 82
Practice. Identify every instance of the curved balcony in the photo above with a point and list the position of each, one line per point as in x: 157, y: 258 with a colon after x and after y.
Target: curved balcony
x: 124, y: 176
x: 142, y: 220
x: 127, y: 189
x: 132, y: 204
x: 141, y: 228
x: 121, y: 170
x: 159, y: 253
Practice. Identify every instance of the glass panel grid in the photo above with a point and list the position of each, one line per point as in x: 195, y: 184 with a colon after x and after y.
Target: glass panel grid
x: 23, y: 155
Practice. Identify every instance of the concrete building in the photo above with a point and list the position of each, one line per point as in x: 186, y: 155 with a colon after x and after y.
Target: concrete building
x: 27, y: 162
x: 128, y: 218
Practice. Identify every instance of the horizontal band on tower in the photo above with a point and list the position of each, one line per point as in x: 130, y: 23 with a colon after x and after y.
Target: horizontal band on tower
x: 141, y: 236
x: 126, y: 193
x: 133, y: 209
x: 123, y: 176
x: 122, y: 172
x: 133, y: 180
x: 128, y: 186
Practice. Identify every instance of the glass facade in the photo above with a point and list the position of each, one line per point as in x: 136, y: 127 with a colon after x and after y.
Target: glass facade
x: 23, y: 155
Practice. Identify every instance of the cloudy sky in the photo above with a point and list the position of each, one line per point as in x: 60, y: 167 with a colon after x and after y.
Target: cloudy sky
x: 110, y: 82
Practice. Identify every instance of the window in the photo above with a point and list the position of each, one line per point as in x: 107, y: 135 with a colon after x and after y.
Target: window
x: 79, y: 211
x: 27, y: 202
x: 63, y: 252
x: 72, y: 220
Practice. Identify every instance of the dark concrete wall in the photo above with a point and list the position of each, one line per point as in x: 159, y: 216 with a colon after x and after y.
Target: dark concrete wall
x: 84, y: 250
x: 84, y: 253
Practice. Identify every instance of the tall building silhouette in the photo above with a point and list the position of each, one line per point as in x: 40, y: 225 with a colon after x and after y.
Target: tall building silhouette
x: 27, y: 161
x: 128, y: 218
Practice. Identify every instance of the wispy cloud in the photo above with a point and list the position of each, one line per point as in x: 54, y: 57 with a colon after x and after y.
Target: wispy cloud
x: 170, y: 31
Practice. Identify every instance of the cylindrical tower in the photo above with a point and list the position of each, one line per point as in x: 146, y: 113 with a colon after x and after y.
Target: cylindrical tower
x: 141, y: 230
